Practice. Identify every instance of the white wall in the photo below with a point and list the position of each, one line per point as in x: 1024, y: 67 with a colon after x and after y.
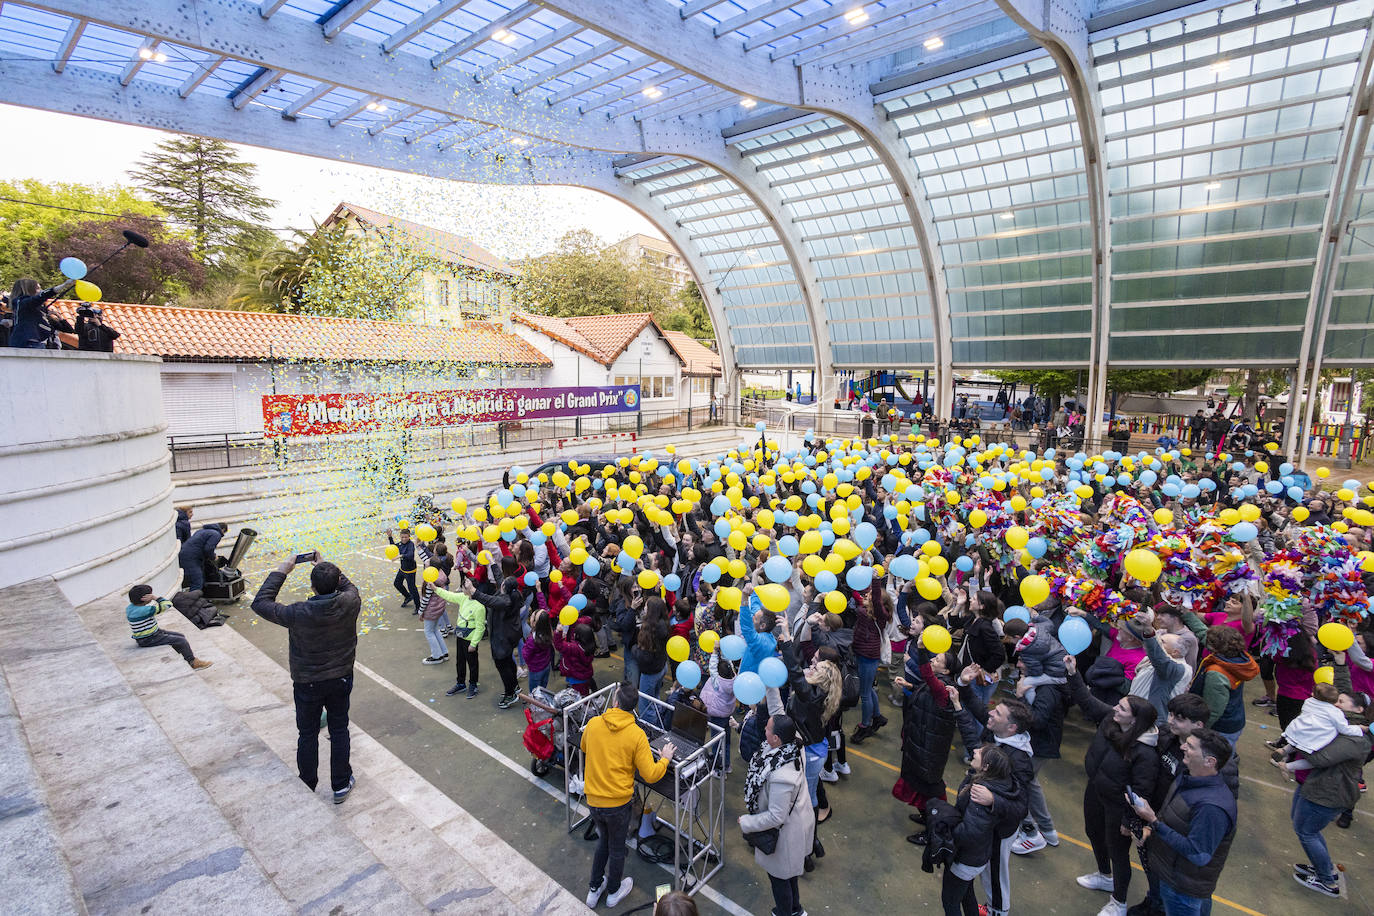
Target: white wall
x: 85, y: 491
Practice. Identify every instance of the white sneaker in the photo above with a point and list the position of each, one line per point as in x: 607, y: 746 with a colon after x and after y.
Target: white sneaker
x: 1027, y: 843
x: 1052, y: 838
x: 1113, y: 908
x: 594, y: 895
x: 829, y: 776
x: 627, y: 885
x: 842, y: 769
x: 1096, y: 881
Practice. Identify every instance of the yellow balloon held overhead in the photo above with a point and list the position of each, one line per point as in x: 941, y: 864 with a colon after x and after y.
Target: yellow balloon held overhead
x: 1300, y: 513
x: 1034, y: 590
x: 568, y: 616
x: 846, y: 548
x: 977, y: 518
x: 930, y: 548
x: 773, y: 597
x: 392, y: 551
x: 737, y: 569
x: 425, y: 533
x: 737, y: 540
x: 555, y: 576
x: 812, y: 565
x: 1017, y: 537
x: 1335, y: 636
x: 929, y: 588
x: 708, y: 640
x: 430, y: 575
x: 1249, y: 512
x: 87, y: 292
x: 459, y: 506
x: 938, y: 566
x: 1324, y: 675
x: 1323, y: 473
x: 729, y: 598
x: 835, y: 602
x: 1144, y: 565
x: 1163, y: 517
x: 678, y: 649
x: 633, y: 545
x: 936, y: 638
x: 647, y: 578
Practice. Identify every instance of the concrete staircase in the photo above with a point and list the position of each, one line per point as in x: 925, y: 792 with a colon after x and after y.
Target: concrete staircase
x: 132, y: 784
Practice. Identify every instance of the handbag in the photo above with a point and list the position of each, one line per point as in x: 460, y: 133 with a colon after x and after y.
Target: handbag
x: 766, y: 841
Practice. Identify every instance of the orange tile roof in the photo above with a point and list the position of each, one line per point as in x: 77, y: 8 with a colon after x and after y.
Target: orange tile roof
x: 600, y: 337
x: 698, y: 359
x: 447, y: 246
x: 561, y: 331
x: 212, y: 334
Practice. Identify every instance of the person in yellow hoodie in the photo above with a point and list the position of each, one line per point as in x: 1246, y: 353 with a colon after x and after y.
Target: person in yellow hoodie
x: 614, y: 747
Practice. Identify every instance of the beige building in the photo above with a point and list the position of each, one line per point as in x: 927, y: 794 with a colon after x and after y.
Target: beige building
x: 661, y: 255
x: 471, y: 283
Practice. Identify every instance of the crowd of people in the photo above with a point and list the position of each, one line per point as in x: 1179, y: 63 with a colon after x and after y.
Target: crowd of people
x: 27, y: 320
x: 1000, y: 588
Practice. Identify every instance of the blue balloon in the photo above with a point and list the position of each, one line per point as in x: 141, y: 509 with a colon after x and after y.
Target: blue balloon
x: 772, y: 672
x: 964, y: 564
x: 1123, y: 479
x: 1075, y: 635
x: 921, y: 535
x: 790, y: 519
x: 826, y: 581
x: 1148, y: 477
x: 859, y: 577
x: 889, y: 512
x: 904, y: 567
x: 672, y: 582
x: 1207, y: 484
x: 1273, y: 487
x: 1047, y: 473
x: 592, y: 567
x: 517, y: 490
x: 578, y: 602
x: 537, y: 538
x: 813, y: 501
x: 749, y: 687
x: 721, y: 528
x: 720, y: 505
x: 1285, y: 469
x: 969, y: 541
x: 531, y: 579
x: 1171, y: 490
x: 732, y: 647
x: 1189, y: 492
x: 777, y: 569
x: 1036, y: 547
x: 865, y: 535
x: 72, y: 268
x: 710, y: 574
x: 1244, y: 532
x: 1016, y: 612
x: 788, y: 546
x: 508, y: 536
x: 504, y: 497
x: 624, y: 562
x: 688, y: 674
x: 827, y: 537
x: 1250, y: 490
x: 1295, y: 493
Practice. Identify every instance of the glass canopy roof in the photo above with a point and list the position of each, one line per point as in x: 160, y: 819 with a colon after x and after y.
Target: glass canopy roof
x: 944, y: 184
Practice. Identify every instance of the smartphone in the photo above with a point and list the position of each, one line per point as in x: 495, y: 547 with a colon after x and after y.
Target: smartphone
x: 1130, y: 794
x: 661, y: 891
x: 307, y: 557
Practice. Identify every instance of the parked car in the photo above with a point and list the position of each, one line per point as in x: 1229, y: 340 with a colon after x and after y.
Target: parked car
x: 597, y: 462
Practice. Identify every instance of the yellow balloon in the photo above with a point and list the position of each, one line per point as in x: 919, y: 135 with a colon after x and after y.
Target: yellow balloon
x: 840, y: 525
x: 1262, y: 467
x: 568, y: 616
x: 87, y: 292
x: 1144, y: 565
x: 835, y: 602
x: 834, y: 563
x: 1034, y: 590
x: 936, y: 638
x: 1249, y: 512
x: 1228, y: 517
x: 938, y: 566
x: 392, y: 551
x: 1323, y: 473
x: 738, y: 569
x: 430, y: 575
x: 952, y: 497
x: 708, y: 640
x: 1341, y: 527
x: 678, y: 649
x: 403, y: 524
x: 930, y: 548
x: 774, y: 597
x: 555, y: 576
x: 1335, y: 636
x: 1017, y: 537
x: 737, y: 540
x: 846, y: 548
x: 425, y: 533
x: 1324, y: 675
x: 491, y: 533
x: 760, y: 542
x: 633, y: 545
x: 1300, y: 513
x: 812, y: 565
x: 977, y: 518
x: 1018, y: 502
x: 929, y: 588
x: 578, y: 556
x: 459, y: 506
x: 1163, y: 517
x: 729, y: 598
x: 479, y: 515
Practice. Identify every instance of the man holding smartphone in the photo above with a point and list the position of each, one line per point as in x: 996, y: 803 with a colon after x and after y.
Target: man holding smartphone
x: 323, y: 643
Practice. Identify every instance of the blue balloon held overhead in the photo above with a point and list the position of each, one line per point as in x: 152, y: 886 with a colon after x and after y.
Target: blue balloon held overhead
x: 759, y: 426
x: 531, y: 579
x: 777, y: 569
x: 72, y: 268
x: 859, y: 577
x: 672, y: 582
x: 624, y: 562
x: 1016, y: 612
x: 578, y: 602
x: 720, y: 505
x: 688, y: 674
x: 1191, y: 491
x: 905, y: 566
x: 1244, y: 532
x: 749, y: 688
x: 1273, y: 486
x: 732, y: 647
x: 865, y: 535
x: 710, y: 574
x: 921, y: 535
x: 721, y: 528
x: 1075, y: 635
x: 592, y: 567
x: 772, y: 672
x: 1171, y: 490
x: 787, y: 544
x: 826, y: 581
x: 1295, y: 493
x: 964, y: 564
x: 1285, y: 469
x: 504, y: 497
x: 1037, y: 547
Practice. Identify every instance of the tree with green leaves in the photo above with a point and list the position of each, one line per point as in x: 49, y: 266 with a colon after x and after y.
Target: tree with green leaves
x: 581, y: 277
x: 1057, y: 383
x: 211, y: 190
x: 36, y: 215
x: 689, y: 314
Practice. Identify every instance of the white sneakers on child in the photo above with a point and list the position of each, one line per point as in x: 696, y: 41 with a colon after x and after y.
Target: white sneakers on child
x: 1096, y: 881
x: 1113, y: 907
x: 842, y: 769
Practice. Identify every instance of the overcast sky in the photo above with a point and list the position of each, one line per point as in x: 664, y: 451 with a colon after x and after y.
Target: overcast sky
x: 511, y: 222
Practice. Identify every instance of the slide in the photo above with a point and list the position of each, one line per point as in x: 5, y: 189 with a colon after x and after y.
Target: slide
x: 897, y: 383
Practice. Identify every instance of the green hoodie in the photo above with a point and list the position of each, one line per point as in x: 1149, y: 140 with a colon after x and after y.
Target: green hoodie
x: 471, y: 614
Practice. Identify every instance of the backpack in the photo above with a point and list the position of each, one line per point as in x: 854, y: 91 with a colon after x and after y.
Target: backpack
x: 849, y: 681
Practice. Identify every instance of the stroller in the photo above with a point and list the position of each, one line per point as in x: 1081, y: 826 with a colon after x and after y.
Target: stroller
x: 543, y: 737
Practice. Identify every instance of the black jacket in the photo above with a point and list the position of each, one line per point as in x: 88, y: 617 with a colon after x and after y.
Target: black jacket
x: 984, y: 645
x: 927, y: 731
x: 806, y: 702
x: 503, y: 618
x: 1047, y: 720
x: 981, y: 828
x: 196, y: 608
x: 323, y: 628
x: 200, y: 547
x: 1110, y: 771
x: 972, y: 720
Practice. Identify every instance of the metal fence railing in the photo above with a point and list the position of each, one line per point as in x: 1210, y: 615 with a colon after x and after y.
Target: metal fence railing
x: 224, y: 451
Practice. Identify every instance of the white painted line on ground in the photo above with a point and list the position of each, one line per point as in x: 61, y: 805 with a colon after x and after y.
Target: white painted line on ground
x: 719, y: 899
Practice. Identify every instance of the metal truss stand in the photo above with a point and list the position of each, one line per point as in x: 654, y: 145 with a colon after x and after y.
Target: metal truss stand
x: 694, y: 788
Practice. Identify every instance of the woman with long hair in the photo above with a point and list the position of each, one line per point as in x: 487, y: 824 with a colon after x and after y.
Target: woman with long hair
x: 651, y: 656
x: 1122, y: 757
x: 775, y: 798
x: 872, y: 615
x: 927, y: 732
x: 1293, y: 674
x: 990, y: 804
x: 34, y: 327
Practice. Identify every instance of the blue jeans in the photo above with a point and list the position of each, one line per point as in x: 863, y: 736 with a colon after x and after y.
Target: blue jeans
x: 539, y: 678
x: 1176, y: 904
x: 437, y: 647
x: 722, y: 759
x: 649, y: 686
x: 868, y: 697
x: 983, y: 692
x: 1232, y: 737
x: 815, y: 762
x: 1309, y: 820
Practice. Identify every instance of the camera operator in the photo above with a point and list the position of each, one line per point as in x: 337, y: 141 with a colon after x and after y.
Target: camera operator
x: 323, y: 644
x: 34, y: 328
x: 93, y: 335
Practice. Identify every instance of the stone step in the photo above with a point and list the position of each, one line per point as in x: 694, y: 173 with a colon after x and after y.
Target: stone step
x: 36, y: 869
x: 141, y: 834
x: 407, y: 822
x: 289, y: 830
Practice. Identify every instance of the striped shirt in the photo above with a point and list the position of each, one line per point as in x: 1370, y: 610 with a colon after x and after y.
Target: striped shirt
x: 143, y: 619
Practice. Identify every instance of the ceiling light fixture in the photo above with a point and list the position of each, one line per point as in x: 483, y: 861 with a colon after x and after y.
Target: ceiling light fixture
x: 502, y: 35
x: 982, y: 122
x: 519, y: 141
x: 1213, y: 185
x: 934, y: 43
x: 1220, y: 66
x: 160, y: 58
x: 747, y: 102
x: 145, y: 53
x: 856, y: 16
x: 376, y: 106
x: 652, y: 92
x: 1006, y: 215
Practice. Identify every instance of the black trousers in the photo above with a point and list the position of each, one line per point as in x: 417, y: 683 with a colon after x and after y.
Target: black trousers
x: 169, y: 638
x: 956, y: 895
x: 505, y: 666
x: 1288, y: 709
x: 405, y: 584
x: 612, y: 824
x: 332, y: 697
x: 1111, y: 850
x: 465, y: 662
x: 786, y: 896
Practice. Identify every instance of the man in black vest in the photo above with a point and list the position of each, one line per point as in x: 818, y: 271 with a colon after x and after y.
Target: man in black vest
x: 1190, y: 836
